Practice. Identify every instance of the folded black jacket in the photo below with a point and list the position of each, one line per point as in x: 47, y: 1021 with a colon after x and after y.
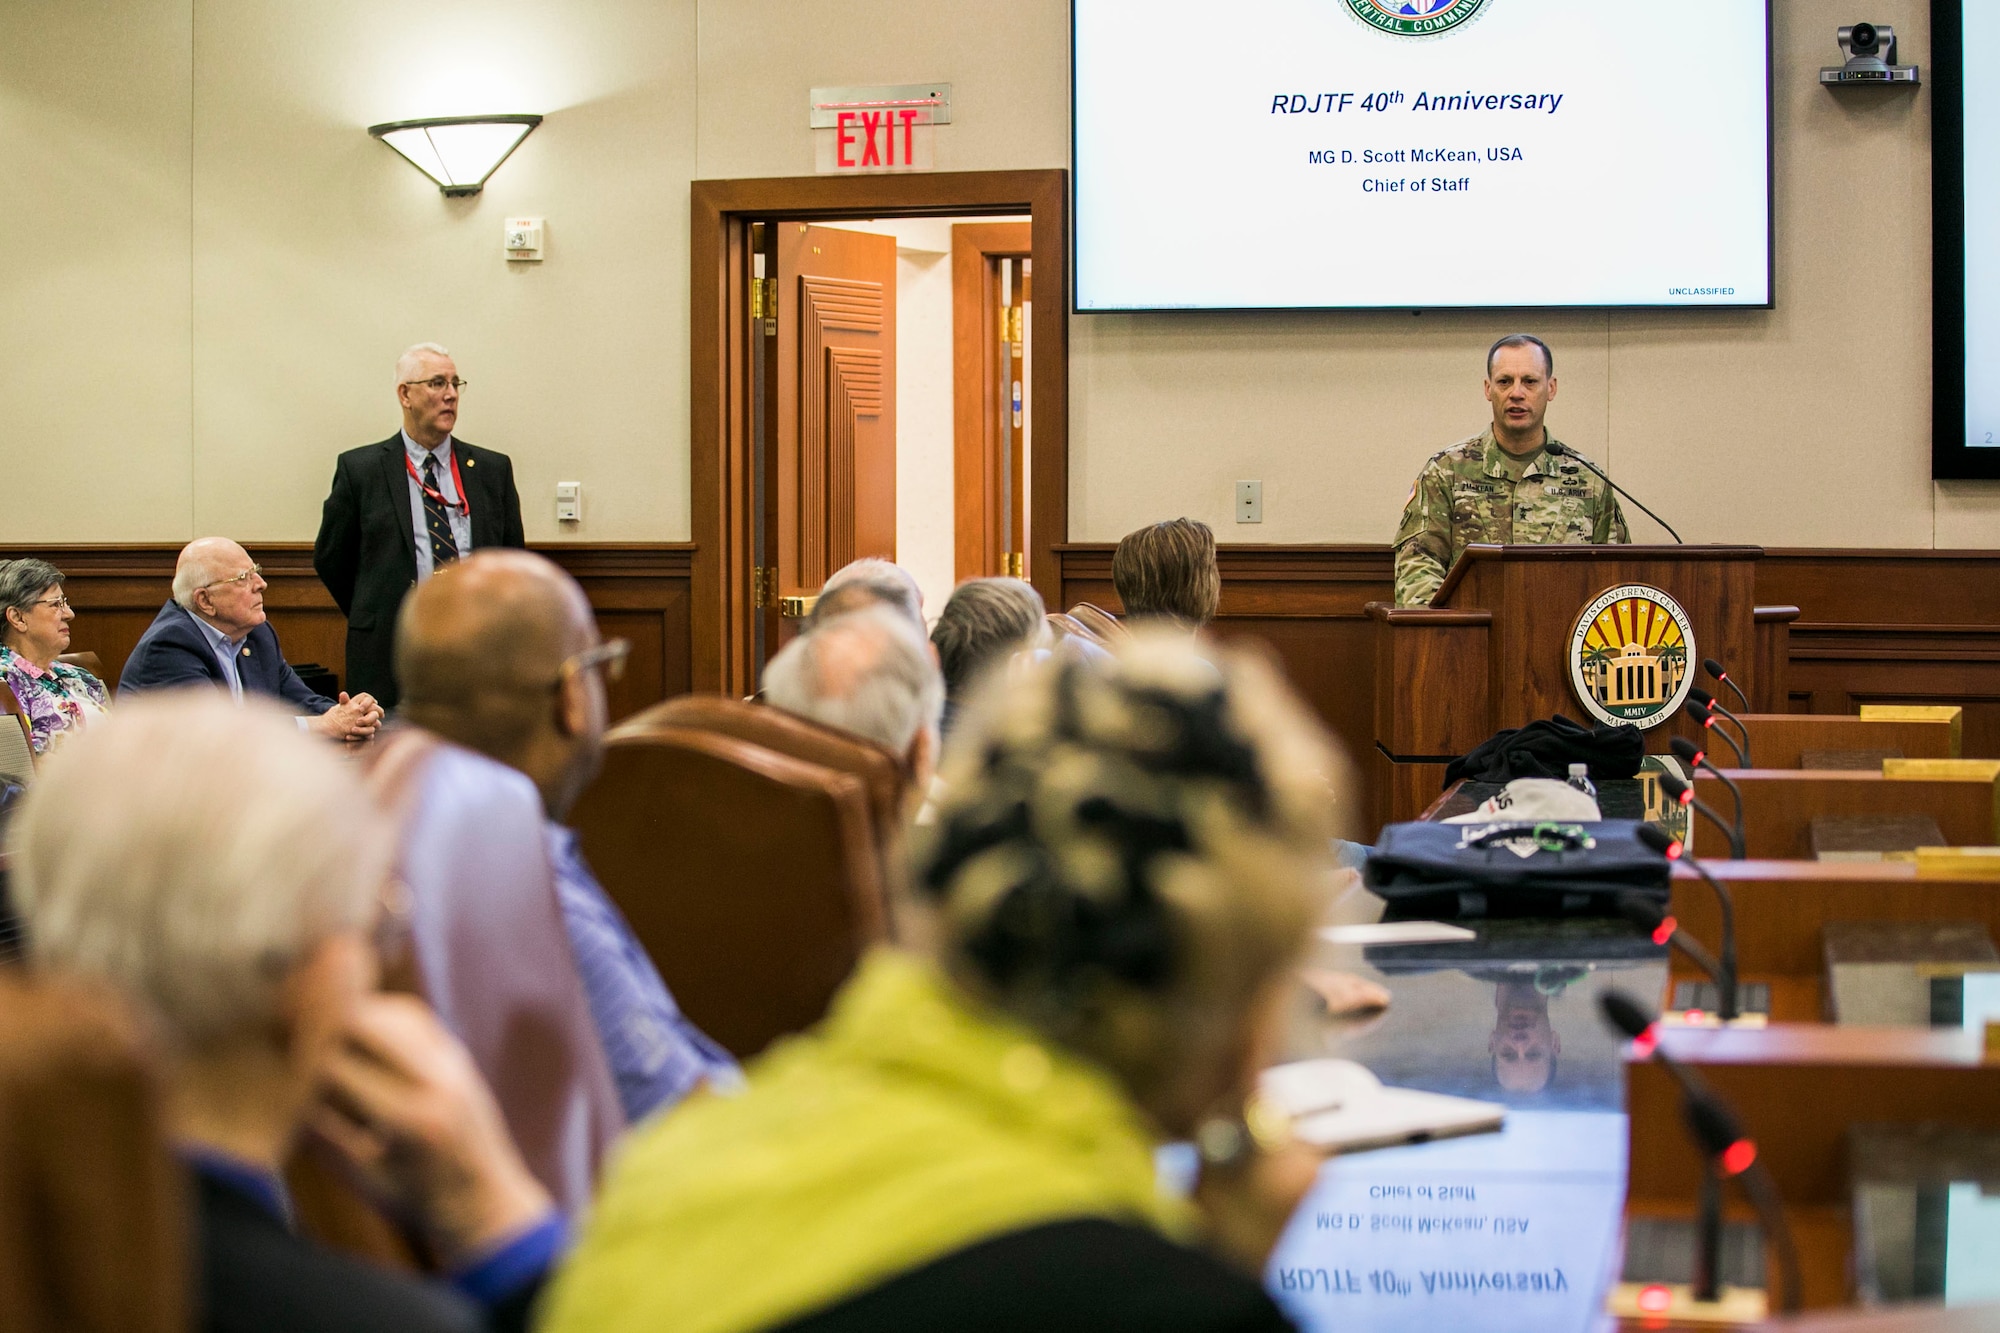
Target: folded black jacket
x: 1547, y: 748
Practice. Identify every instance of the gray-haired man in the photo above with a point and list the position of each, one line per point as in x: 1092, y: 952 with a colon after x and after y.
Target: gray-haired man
x: 401, y: 508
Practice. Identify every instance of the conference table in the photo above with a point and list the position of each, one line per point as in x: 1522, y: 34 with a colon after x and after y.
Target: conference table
x: 1515, y: 1230
x: 1523, y: 1229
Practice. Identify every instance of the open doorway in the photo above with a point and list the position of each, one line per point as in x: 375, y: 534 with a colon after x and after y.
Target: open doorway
x: 880, y: 367
x: 896, y: 403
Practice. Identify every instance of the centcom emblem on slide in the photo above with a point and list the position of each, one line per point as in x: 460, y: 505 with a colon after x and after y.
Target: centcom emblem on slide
x: 1629, y: 654
x: 1415, y: 18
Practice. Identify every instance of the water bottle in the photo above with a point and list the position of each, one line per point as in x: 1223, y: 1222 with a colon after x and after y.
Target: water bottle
x: 1579, y: 778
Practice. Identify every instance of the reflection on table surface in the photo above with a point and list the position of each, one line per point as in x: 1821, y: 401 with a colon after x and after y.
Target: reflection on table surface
x: 1515, y: 1230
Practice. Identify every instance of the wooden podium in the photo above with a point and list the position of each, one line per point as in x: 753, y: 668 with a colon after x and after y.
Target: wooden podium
x: 1492, y: 650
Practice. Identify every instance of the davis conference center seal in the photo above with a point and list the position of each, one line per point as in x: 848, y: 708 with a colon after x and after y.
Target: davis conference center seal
x: 1415, y: 18
x: 1629, y: 655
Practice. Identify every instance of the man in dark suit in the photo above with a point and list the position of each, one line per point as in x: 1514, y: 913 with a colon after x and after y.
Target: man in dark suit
x: 213, y: 632
x: 400, y: 509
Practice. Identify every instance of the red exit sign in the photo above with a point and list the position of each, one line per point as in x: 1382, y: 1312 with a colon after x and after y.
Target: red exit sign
x: 869, y: 141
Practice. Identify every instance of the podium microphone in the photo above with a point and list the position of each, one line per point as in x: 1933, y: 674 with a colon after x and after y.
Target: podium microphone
x: 1671, y: 847
x: 1683, y: 793
x: 1701, y: 714
x: 1714, y: 668
x: 1696, y: 758
x: 1707, y: 700
x: 1558, y: 449
x: 1731, y: 1154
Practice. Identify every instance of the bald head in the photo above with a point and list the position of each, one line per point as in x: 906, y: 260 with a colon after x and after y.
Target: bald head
x: 497, y: 622
x: 216, y: 580
x: 479, y: 649
x: 202, y: 562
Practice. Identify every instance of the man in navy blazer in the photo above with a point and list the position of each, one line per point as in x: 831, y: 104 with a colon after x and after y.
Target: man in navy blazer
x: 213, y: 632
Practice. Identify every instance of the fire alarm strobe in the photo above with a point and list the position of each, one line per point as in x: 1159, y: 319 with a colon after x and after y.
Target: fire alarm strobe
x: 524, y: 239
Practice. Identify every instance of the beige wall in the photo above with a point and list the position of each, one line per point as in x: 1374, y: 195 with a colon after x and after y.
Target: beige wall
x: 94, y: 293
x: 214, y: 267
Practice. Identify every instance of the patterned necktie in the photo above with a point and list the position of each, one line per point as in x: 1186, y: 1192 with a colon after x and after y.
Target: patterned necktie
x: 437, y: 521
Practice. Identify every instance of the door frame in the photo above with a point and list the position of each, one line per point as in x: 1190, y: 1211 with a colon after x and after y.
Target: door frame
x: 721, y: 471
x: 976, y: 412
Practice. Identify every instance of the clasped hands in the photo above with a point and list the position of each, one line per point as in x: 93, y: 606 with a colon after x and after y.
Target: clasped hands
x: 355, y: 718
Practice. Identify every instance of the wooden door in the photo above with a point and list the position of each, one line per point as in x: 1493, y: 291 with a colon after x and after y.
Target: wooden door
x: 833, y: 442
x: 991, y: 268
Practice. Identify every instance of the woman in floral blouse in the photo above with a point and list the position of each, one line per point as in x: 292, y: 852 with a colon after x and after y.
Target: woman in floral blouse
x: 54, y: 696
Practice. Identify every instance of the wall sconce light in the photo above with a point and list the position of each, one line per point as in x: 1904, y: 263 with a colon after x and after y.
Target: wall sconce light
x: 458, y: 152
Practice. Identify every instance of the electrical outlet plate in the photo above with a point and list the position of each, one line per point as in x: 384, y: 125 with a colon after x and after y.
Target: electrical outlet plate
x: 523, y: 240
x: 1249, y: 502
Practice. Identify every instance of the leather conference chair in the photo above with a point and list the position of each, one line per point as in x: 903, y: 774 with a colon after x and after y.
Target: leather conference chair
x: 1063, y: 625
x: 88, y: 661
x: 17, y: 750
x: 1100, y: 623
x: 749, y: 876
x: 490, y: 952
x: 93, y: 1207
x: 882, y: 774
x: 479, y: 935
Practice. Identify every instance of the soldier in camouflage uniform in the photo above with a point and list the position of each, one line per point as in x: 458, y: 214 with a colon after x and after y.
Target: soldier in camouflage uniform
x: 1502, y: 485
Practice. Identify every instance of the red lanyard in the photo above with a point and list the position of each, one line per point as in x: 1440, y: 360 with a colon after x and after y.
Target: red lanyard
x: 464, y: 505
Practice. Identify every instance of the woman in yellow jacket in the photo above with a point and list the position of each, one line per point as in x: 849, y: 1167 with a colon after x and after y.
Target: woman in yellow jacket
x: 1122, y: 873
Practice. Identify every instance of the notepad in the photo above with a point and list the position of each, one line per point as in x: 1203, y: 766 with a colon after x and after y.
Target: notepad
x: 1398, y: 932
x: 1339, y: 1105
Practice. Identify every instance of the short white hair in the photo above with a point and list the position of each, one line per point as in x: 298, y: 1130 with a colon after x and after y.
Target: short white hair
x: 193, y: 852
x: 869, y: 581
x: 406, y: 364
x: 194, y: 571
x: 869, y: 672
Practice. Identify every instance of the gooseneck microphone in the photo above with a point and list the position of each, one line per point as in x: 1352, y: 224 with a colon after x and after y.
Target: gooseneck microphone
x: 1707, y: 700
x: 1642, y: 912
x: 1731, y: 1154
x: 1672, y: 848
x: 1683, y: 793
x: 1700, y: 713
x: 1560, y: 450
x: 1696, y: 758
x: 1714, y: 668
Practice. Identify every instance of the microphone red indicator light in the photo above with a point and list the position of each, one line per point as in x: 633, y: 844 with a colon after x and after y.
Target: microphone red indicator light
x: 1738, y: 1156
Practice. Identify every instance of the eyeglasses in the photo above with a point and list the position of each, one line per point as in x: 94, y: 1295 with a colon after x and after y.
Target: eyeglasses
x: 438, y: 383
x: 255, y: 571
x: 610, y: 655
x: 59, y: 602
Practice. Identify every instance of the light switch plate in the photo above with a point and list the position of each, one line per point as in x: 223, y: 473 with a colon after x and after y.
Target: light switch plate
x: 569, y: 502
x: 523, y: 240
x: 1249, y: 502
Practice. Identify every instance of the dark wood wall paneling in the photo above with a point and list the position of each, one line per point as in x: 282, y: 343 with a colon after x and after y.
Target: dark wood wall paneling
x: 1893, y: 627
x: 1876, y: 626
x: 1306, y: 603
x: 640, y: 591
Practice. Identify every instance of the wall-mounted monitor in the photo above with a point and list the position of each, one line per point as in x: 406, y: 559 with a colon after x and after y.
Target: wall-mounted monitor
x: 1421, y: 154
x: 1965, y: 254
